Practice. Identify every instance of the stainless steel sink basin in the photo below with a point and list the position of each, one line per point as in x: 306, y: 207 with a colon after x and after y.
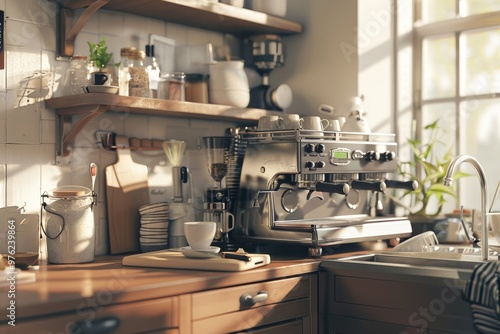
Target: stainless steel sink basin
x: 440, y: 260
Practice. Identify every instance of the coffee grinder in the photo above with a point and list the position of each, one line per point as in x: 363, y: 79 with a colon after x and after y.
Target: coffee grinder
x: 268, y: 54
x: 217, y: 198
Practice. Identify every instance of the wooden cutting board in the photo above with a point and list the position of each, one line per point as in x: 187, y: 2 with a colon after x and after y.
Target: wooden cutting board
x: 175, y: 260
x: 126, y: 191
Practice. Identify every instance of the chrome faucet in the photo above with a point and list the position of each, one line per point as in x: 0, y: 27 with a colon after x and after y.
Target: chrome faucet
x: 448, y: 181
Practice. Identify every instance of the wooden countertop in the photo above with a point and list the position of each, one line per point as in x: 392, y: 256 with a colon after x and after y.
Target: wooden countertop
x: 59, y: 288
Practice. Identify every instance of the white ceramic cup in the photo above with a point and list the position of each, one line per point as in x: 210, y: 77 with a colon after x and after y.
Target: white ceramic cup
x: 289, y: 122
x: 334, y: 125
x: 313, y: 123
x: 273, y: 7
x: 199, y: 235
x: 268, y: 123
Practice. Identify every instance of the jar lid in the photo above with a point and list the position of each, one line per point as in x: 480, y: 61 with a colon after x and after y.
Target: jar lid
x: 136, y: 54
x: 195, y: 77
x: 78, y: 57
x: 69, y: 191
x: 125, y: 51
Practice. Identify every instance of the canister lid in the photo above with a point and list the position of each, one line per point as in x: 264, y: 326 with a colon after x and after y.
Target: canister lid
x: 69, y: 191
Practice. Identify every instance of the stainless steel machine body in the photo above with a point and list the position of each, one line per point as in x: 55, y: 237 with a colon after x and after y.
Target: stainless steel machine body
x: 314, y: 189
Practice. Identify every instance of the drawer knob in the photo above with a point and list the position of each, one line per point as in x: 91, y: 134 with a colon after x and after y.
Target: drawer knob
x: 248, y: 300
x: 96, y: 326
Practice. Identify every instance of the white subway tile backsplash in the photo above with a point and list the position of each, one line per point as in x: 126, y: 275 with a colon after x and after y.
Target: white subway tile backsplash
x: 3, y: 131
x: 28, y: 134
x: 23, y: 125
x: 23, y: 176
x: 48, y: 135
x: 21, y: 63
x: 24, y: 10
x: 24, y: 34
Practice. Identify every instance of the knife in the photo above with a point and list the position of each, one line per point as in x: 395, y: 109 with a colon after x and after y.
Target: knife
x: 236, y: 256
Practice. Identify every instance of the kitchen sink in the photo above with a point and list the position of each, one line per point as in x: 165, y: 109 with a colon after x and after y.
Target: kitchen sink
x: 400, y: 292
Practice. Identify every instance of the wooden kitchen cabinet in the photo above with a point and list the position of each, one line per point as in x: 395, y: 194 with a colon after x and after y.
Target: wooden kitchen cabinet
x: 170, y: 301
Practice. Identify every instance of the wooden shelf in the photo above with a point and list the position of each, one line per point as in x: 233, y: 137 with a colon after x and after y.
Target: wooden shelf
x: 216, y: 17
x: 93, y: 105
x: 83, y: 103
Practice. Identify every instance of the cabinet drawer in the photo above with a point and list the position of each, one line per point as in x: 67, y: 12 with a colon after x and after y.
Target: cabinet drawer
x: 222, y: 311
x: 215, y: 302
x: 152, y: 315
x: 252, y: 318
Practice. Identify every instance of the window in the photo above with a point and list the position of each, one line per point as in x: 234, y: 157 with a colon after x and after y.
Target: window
x: 459, y: 82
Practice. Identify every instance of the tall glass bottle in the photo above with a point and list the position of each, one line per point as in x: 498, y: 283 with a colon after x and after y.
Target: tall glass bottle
x: 153, y: 70
x: 123, y: 71
x: 138, y: 84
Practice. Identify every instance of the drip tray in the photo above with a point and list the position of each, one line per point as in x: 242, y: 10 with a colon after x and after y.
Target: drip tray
x: 334, y: 222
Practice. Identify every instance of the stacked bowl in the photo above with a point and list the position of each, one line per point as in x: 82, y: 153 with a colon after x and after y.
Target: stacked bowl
x: 153, y: 232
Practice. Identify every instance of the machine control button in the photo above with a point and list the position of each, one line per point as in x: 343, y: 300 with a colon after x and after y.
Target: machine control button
x: 320, y: 164
x: 309, y: 148
x: 357, y: 155
x: 309, y: 164
x: 388, y: 156
x: 372, y: 156
x: 320, y: 148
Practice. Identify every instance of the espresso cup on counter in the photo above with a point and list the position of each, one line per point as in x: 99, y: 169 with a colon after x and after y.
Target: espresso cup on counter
x: 313, y: 123
x: 200, y: 235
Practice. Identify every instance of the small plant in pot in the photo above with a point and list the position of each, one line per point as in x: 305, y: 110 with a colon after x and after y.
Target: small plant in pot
x: 99, y: 58
x: 429, y: 170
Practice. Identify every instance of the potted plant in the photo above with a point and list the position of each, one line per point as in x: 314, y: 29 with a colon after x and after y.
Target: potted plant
x: 429, y: 170
x: 99, y: 55
x: 99, y: 60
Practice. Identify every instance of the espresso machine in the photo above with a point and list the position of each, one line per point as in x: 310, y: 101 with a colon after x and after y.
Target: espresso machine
x: 217, y: 199
x: 312, y: 189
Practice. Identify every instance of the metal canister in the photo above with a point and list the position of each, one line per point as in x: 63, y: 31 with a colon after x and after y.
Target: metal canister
x: 69, y: 226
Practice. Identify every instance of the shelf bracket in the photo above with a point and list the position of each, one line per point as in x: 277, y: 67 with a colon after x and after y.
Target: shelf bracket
x: 68, y: 131
x: 67, y: 33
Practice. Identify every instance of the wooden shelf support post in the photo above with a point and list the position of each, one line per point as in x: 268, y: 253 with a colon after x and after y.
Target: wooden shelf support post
x: 68, y: 33
x: 67, y: 133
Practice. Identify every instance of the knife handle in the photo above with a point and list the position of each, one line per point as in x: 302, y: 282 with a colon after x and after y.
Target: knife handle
x: 235, y: 256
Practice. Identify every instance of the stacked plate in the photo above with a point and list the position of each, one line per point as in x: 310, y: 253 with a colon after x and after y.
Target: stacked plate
x: 153, y: 233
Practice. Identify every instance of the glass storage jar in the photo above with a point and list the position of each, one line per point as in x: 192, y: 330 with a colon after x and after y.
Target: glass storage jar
x: 77, y: 75
x: 138, y: 84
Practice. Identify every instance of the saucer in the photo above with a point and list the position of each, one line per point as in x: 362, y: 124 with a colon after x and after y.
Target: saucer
x: 200, y: 253
x: 100, y: 89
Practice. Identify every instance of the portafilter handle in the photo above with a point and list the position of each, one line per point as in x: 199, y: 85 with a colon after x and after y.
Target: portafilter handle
x: 337, y: 188
x: 408, y: 185
x: 366, y: 185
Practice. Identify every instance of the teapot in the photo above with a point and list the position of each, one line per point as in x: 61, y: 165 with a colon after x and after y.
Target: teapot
x: 356, y: 123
